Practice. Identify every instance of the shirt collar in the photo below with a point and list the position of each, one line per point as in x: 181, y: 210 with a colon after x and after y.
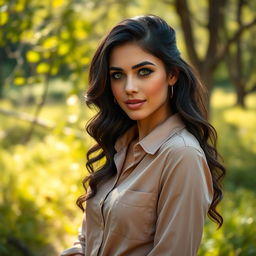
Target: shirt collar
x: 152, y: 142
x: 126, y: 138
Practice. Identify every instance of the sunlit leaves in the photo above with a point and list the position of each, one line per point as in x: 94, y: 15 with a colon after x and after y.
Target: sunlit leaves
x: 54, y: 70
x: 33, y: 56
x: 57, y: 3
x: 50, y: 42
x: 38, y: 187
x: 4, y: 16
x: 80, y: 30
x: 29, y: 36
x: 63, y: 49
x: 19, y: 81
x: 53, y: 35
x: 64, y: 34
x: 20, y: 5
x: 46, y: 54
x: 85, y: 60
x: 248, y: 14
x: 43, y: 68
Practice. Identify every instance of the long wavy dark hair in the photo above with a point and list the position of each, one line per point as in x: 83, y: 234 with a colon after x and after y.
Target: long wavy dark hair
x: 155, y: 36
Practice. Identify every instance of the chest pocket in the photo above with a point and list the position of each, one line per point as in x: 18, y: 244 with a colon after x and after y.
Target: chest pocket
x: 133, y: 215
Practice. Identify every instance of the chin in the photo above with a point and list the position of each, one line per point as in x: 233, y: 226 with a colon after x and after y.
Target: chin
x: 136, y: 117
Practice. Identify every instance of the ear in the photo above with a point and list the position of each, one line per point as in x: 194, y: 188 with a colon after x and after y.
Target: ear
x: 173, y: 77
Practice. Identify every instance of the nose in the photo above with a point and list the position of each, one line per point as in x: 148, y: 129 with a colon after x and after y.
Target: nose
x: 130, y: 86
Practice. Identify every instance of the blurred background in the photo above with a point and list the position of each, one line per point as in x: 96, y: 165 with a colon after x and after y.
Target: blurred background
x: 45, y: 51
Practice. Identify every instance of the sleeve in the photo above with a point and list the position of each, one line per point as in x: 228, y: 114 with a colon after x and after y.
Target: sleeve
x: 185, y: 196
x: 78, y: 247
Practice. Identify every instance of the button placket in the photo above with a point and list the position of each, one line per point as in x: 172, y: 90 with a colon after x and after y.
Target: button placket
x: 101, y: 211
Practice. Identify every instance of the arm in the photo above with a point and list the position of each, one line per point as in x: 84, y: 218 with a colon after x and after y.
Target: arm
x: 185, y: 196
x: 78, y: 247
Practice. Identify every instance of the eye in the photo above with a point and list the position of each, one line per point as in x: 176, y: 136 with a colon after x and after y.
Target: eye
x: 145, y: 72
x: 116, y: 75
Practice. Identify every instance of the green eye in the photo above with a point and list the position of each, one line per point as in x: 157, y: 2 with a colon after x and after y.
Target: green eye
x: 116, y: 75
x: 145, y: 72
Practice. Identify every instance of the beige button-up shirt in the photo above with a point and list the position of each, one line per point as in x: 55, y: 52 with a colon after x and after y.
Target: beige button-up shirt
x: 157, y: 205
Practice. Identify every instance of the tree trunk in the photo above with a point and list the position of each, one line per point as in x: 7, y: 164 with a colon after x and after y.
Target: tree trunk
x: 240, y: 95
x: 235, y: 62
x: 208, y: 63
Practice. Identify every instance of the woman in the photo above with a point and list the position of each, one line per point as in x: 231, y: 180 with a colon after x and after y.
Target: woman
x: 154, y: 172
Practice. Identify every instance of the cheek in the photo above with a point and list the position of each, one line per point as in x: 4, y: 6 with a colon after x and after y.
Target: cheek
x: 116, y: 90
x: 157, y: 86
x: 118, y: 94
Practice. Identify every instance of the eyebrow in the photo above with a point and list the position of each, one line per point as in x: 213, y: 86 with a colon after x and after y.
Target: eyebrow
x: 135, y: 66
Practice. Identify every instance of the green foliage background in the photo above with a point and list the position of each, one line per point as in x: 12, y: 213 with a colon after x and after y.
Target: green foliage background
x: 50, y: 44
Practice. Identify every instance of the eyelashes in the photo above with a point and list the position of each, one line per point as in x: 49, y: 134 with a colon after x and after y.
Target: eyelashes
x: 143, y: 72
x: 116, y: 75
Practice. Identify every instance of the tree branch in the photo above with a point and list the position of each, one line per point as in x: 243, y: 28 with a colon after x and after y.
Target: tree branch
x: 233, y: 39
x: 185, y: 18
x: 253, y: 89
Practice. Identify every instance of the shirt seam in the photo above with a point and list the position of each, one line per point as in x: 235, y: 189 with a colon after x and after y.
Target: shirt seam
x: 185, y: 144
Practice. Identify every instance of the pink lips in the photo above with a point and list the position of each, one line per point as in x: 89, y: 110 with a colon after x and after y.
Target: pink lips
x: 135, y: 103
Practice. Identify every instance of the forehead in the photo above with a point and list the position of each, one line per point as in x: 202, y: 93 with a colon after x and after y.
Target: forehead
x: 130, y: 54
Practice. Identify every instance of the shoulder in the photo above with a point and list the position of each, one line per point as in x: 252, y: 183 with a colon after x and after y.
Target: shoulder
x: 182, y: 142
x: 185, y: 166
x: 183, y: 155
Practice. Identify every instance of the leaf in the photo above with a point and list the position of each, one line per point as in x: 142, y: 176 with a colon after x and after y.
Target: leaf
x: 42, y: 68
x: 65, y: 34
x: 4, y: 17
x: 63, y: 49
x: 20, y: 5
x: 54, y: 70
x: 57, y: 3
x: 33, y: 56
x: 19, y: 80
x: 85, y: 60
x: 47, y: 54
x: 50, y: 42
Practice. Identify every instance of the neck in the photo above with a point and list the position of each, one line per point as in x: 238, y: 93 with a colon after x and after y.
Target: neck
x: 145, y: 126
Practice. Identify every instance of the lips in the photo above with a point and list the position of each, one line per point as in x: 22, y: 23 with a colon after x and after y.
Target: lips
x: 134, y: 101
x: 135, y: 104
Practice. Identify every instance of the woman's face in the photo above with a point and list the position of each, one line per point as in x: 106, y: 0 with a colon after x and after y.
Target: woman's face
x: 140, y: 83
